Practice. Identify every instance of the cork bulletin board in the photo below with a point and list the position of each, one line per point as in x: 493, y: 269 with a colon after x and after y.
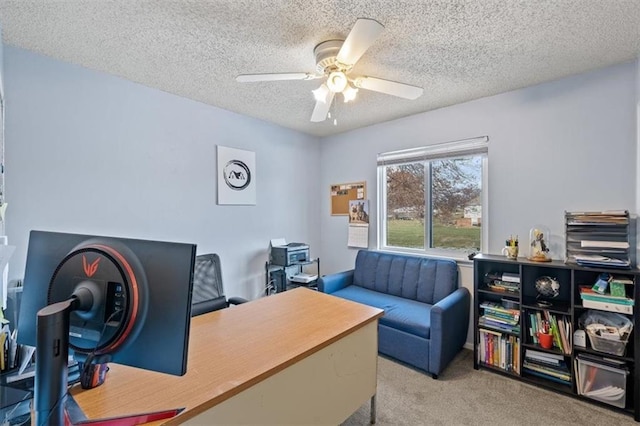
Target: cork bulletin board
x: 342, y: 193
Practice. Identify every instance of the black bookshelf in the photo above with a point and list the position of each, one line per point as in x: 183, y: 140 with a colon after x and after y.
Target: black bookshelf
x: 567, y: 306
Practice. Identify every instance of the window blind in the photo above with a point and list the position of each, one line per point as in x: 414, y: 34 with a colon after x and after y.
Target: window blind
x: 459, y: 148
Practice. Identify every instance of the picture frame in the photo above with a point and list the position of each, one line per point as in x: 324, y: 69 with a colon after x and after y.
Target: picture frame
x: 236, y: 176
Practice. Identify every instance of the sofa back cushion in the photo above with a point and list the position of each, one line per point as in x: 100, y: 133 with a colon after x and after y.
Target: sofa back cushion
x: 418, y: 278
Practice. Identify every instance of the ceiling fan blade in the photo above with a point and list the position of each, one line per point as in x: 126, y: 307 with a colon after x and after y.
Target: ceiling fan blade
x: 389, y: 87
x: 362, y: 35
x: 321, y: 109
x: 249, y: 78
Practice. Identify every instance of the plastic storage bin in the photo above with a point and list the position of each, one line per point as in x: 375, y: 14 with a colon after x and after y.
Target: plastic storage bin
x: 594, y: 322
x: 602, y: 382
x: 613, y: 347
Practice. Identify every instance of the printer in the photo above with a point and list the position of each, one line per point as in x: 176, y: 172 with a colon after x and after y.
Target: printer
x: 289, y: 254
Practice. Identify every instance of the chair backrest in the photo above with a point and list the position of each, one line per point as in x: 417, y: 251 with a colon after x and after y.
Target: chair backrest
x: 427, y: 280
x: 208, y: 293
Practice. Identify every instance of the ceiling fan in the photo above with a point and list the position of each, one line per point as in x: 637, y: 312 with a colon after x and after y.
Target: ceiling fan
x: 334, y: 61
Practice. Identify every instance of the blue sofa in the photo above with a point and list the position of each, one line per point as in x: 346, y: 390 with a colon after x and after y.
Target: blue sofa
x: 426, y: 315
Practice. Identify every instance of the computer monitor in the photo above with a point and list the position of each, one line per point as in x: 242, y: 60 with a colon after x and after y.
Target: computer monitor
x: 120, y: 300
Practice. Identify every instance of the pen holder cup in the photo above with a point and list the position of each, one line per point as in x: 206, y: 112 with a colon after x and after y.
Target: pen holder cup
x: 511, y: 252
x: 546, y: 340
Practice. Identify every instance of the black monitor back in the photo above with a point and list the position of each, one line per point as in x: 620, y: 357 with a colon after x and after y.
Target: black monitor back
x: 162, y: 340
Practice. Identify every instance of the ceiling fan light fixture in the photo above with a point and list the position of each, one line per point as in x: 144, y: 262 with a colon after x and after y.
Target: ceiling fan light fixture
x: 349, y: 93
x: 335, y: 60
x: 337, y: 81
x: 321, y: 94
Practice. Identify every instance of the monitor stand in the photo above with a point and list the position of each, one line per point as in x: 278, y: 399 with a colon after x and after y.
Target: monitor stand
x: 52, y: 353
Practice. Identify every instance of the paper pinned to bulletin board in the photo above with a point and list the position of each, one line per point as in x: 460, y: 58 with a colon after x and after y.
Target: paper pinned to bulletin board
x: 342, y: 193
x: 358, y: 224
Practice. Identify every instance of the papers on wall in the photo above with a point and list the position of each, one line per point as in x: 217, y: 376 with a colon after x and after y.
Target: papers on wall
x: 358, y: 224
x: 5, y: 254
x: 358, y: 236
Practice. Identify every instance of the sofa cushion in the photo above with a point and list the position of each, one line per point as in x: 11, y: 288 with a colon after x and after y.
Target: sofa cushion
x: 410, y: 277
x: 402, y: 314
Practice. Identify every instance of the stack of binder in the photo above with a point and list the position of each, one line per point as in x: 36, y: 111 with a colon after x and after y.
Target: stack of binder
x: 600, y: 239
x: 546, y: 365
x: 606, y: 302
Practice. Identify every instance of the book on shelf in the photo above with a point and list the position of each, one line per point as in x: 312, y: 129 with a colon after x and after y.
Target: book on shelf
x: 546, y: 365
x: 551, y: 364
x: 499, y: 350
x: 499, y: 321
x: 618, y: 285
x: 547, y: 377
x: 483, y: 322
x: 499, y: 310
x: 497, y: 317
x: 504, y: 286
x: 622, y: 279
x: 561, y: 373
x: 558, y: 373
x: 531, y: 353
x: 510, y: 277
x: 607, y: 306
x: 559, y: 327
x: 555, y: 332
x: 533, y: 329
x: 502, y: 276
x: 587, y: 293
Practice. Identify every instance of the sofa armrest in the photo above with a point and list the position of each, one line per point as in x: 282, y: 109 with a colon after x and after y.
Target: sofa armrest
x: 449, y: 326
x: 334, y: 282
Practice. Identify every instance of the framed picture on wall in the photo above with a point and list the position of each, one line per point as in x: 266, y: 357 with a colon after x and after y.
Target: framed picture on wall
x: 236, y: 176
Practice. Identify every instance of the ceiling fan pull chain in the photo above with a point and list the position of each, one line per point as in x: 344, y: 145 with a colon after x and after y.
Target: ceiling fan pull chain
x: 335, y: 115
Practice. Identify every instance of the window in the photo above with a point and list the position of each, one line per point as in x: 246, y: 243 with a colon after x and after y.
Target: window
x: 431, y: 199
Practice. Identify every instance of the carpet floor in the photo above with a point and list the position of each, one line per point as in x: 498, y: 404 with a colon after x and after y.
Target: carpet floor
x: 464, y: 396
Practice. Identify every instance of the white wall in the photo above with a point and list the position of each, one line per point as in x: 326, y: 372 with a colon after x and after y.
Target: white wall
x: 564, y: 145
x: 92, y: 153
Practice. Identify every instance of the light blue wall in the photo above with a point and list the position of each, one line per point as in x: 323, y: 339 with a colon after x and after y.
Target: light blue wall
x: 88, y: 152
x: 638, y: 154
x: 1, y: 60
x: 92, y: 153
x: 565, y: 145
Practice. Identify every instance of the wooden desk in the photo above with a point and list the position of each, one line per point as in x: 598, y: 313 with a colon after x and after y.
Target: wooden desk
x: 298, y: 357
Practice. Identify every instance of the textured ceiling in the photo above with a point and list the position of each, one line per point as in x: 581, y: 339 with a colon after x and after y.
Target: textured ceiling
x: 457, y: 50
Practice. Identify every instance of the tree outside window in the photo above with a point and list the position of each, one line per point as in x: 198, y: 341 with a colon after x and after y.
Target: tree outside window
x: 434, y: 204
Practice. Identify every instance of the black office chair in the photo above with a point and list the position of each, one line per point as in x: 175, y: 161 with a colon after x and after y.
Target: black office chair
x: 208, y: 293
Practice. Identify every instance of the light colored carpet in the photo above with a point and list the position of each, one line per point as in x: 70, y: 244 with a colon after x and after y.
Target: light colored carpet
x: 464, y: 396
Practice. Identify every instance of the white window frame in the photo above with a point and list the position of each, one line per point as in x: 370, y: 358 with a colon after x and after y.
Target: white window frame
x: 455, y: 149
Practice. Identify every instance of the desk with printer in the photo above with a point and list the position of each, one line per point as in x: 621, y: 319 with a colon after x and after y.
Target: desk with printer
x: 290, y: 265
